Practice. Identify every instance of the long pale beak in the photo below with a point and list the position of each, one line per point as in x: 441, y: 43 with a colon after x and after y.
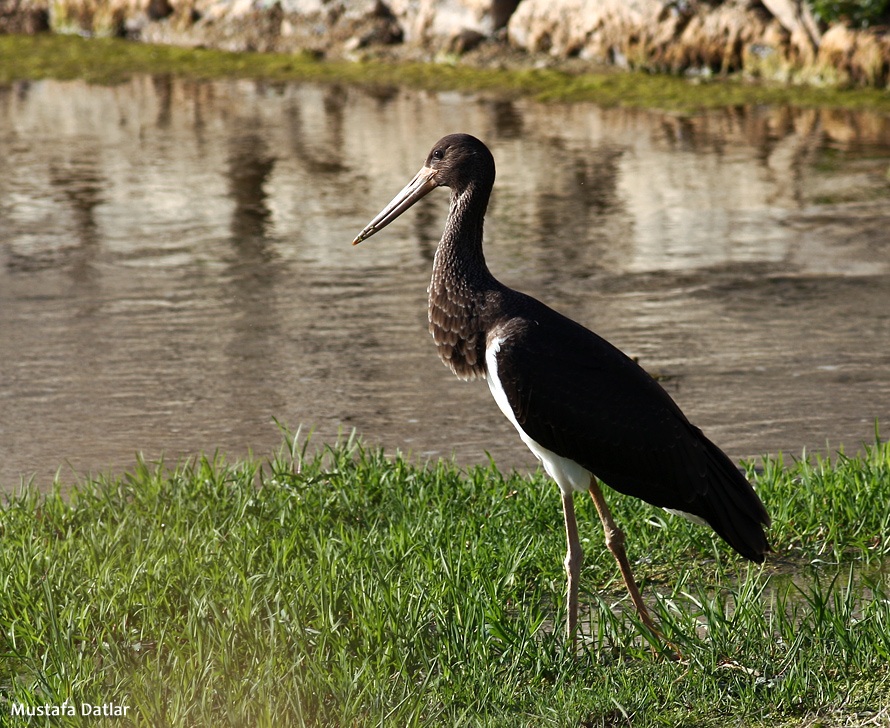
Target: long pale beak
x: 422, y: 184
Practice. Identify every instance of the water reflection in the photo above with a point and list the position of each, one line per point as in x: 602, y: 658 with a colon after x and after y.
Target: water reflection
x: 175, y: 267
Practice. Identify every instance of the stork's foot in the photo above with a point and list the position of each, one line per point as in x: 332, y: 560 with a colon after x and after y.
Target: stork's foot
x: 615, y: 543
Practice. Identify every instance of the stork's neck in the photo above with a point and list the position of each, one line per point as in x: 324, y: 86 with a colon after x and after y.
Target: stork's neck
x: 459, y: 254
x: 459, y: 285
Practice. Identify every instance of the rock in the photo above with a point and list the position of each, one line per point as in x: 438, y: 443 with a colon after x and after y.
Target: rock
x: 433, y: 22
x: 654, y: 34
x: 21, y: 16
x: 714, y: 40
x: 798, y: 19
x: 464, y: 41
x: 95, y: 17
x: 860, y: 57
x: 159, y: 9
x: 501, y: 11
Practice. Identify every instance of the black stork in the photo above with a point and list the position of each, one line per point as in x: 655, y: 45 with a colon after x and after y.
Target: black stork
x: 585, y: 409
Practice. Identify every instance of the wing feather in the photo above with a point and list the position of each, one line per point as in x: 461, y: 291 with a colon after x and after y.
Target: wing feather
x: 575, y: 394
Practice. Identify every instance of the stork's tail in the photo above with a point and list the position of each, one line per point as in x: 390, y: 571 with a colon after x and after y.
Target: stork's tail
x: 732, y: 508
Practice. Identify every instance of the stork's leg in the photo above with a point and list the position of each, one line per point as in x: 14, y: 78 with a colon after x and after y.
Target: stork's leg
x: 574, y: 557
x: 615, y: 544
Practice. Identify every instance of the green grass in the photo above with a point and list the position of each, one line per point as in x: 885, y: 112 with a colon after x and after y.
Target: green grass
x: 106, y: 60
x: 351, y: 588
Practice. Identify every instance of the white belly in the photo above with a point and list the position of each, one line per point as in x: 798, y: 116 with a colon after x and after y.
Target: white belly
x: 567, y: 473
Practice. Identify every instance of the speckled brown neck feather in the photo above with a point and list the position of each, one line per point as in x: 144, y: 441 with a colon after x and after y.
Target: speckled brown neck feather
x: 462, y: 292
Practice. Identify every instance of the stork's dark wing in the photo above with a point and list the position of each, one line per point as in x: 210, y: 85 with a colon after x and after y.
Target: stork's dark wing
x: 579, y: 396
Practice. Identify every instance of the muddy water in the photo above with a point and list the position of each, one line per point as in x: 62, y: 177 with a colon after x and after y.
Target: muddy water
x: 175, y: 267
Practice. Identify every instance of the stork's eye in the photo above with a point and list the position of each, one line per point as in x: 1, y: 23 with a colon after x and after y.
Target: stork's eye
x: 438, y: 154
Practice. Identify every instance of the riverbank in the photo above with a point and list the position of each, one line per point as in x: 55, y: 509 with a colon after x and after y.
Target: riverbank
x: 352, y: 588
x: 110, y: 60
x: 774, y: 40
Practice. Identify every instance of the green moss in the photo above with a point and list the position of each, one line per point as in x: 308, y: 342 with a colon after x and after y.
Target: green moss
x: 108, y: 60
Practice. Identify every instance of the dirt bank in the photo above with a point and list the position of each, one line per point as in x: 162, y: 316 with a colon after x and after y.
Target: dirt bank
x: 771, y: 39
